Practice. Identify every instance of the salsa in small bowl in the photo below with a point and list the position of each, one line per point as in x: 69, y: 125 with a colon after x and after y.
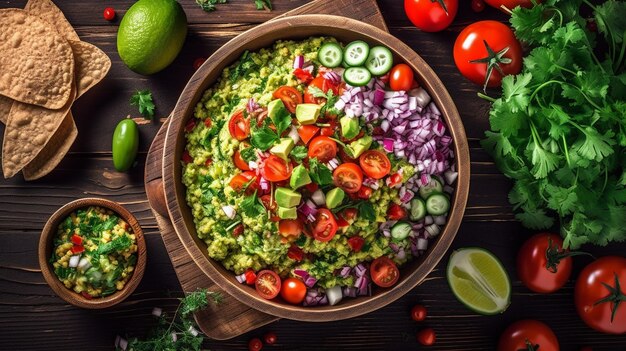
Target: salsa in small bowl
x: 92, y: 253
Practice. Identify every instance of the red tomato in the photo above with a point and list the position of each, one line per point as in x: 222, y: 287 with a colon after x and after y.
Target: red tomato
x: 542, y: 264
x: 255, y: 344
x: 238, y: 230
x: 375, y: 164
x: 395, y: 212
x: 384, y: 272
x: 478, y: 5
x: 295, y: 253
x: 302, y: 75
x: 198, y: 62
x: 246, y: 181
x: 330, y: 129
x: 311, y: 187
x: 270, y: 338
x: 510, y: 4
x: 239, y: 126
x: 431, y: 15
x: 190, y: 125
x: 364, y: 193
x: 307, y: 133
x: 109, y: 14
x: 600, y: 292
x: 322, y: 147
x: 293, y: 290
x: 76, y: 249
x: 394, y: 180
x: 239, y: 162
x: 186, y: 157
x: 276, y: 169
x: 268, y: 202
x: 349, y: 214
x: 324, y: 85
x: 476, y: 63
x: 324, y: 226
x: 401, y: 77
x: 356, y: 243
x: 539, y: 335
x: 290, y: 227
x: 345, y: 157
x: 207, y: 122
x: 76, y: 239
x: 86, y: 295
x: 208, y: 162
x: 341, y: 222
x: 290, y: 96
x: 427, y: 337
x: 349, y: 177
x: 250, y: 276
x: 418, y: 313
x: 267, y: 284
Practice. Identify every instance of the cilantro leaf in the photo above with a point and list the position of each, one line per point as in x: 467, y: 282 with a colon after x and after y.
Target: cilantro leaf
x: 282, y: 120
x: 596, y: 146
x: 143, y: 100
x: 319, y: 172
x: 299, y: 153
x: 543, y: 160
x: 209, y: 5
x: 263, y: 138
x: 263, y: 4
x: 244, y: 65
x: 515, y: 91
x: 118, y: 244
x: 248, y: 154
x: 251, y: 206
x: 366, y: 211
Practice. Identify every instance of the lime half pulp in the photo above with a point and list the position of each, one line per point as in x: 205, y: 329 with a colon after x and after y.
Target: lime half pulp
x: 479, y: 281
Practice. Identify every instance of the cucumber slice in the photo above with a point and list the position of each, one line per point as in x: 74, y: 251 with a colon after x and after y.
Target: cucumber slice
x: 357, y: 76
x: 434, y: 186
x: 437, y: 204
x: 356, y: 53
x: 418, y: 209
x: 330, y: 55
x: 379, y: 61
x: 401, y: 230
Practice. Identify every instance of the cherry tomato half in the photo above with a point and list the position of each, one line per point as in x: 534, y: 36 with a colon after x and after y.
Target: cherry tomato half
x: 293, y: 290
x: 349, y: 177
x: 246, y: 181
x: 375, y: 164
x: 307, y: 132
x: 323, y: 148
x: 325, y: 226
x: 267, y: 284
x: 538, y: 334
x: 239, y: 126
x: 290, y: 227
x: 401, y: 77
x: 356, y: 243
x: 384, y: 272
x: 418, y: 313
x: 426, y: 336
x: 239, y: 162
x: 290, y: 96
x: 395, y: 212
x: 431, y: 15
x: 276, y: 169
x: 324, y: 85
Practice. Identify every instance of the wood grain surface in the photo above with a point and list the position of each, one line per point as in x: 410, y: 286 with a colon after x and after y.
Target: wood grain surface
x: 32, y: 317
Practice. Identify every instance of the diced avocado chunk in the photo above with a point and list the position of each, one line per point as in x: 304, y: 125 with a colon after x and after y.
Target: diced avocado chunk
x: 283, y: 148
x: 349, y: 127
x: 334, y: 198
x: 308, y: 113
x: 276, y: 108
x: 357, y: 147
x: 299, y: 177
x: 287, y: 213
x: 286, y: 197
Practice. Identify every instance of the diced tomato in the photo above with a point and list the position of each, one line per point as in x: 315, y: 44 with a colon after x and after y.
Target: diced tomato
x: 76, y: 249
x: 208, y: 162
x: 239, y: 162
x: 378, y: 131
x: 394, y: 180
x: 395, y: 212
x: 187, y: 157
x: 275, y: 169
x: 290, y: 97
x: 207, y: 122
x: 364, y: 192
x: 239, y: 126
x: 341, y: 222
x: 307, y: 132
x: 76, y: 239
x: 312, y: 187
x: 238, y: 230
x: 324, y: 85
x: 325, y: 225
x: 191, y: 124
x: 268, y: 202
x: 349, y: 214
x: 250, y: 276
x: 302, y: 75
x: 247, y: 180
x: 356, y: 243
x: 86, y: 295
x: 290, y: 227
x: 295, y: 253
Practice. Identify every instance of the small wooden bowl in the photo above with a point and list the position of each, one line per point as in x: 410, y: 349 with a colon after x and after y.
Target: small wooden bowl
x: 46, y: 246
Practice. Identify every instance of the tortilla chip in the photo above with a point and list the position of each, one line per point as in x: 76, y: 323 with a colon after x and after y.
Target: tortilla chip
x: 54, y: 151
x: 47, y: 10
x: 36, y: 62
x: 92, y: 64
x: 5, y: 107
x: 28, y: 130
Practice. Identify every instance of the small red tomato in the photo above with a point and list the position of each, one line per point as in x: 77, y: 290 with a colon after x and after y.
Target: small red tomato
x: 426, y: 336
x: 401, y: 77
x: 187, y: 158
x: 238, y: 230
x: 270, y: 338
x: 109, y: 14
x: 198, y: 62
x: 255, y: 344
x: 478, y: 5
x: 418, y: 313
x: 86, y: 295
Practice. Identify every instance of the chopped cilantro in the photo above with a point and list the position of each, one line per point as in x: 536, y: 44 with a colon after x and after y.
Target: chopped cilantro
x: 319, y: 172
x: 251, y: 206
x: 263, y: 138
x: 143, y: 100
x: 298, y: 153
x: 366, y: 211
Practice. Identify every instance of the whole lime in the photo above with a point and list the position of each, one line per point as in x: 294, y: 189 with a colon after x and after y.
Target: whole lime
x: 151, y: 35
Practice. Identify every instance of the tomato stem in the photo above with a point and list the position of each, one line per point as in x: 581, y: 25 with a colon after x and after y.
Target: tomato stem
x: 442, y: 4
x: 554, y: 256
x: 493, y: 60
x: 616, y: 296
x: 530, y: 346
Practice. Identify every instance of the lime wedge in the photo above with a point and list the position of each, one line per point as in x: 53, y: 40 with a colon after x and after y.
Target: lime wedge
x: 479, y: 281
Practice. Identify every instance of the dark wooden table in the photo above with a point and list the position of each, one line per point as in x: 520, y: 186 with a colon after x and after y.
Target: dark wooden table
x: 33, y: 318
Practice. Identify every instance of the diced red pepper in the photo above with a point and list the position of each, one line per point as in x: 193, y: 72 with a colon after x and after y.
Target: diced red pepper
x: 356, y: 243
x: 76, y: 239
x: 295, y: 253
x: 191, y: 124
x: 302, y: 75
x: 187, y: 157
x: 207, y: 122
x: 250, y: 276
x: 238, y: 230
x: 86, y: 295
x: 76, y: 249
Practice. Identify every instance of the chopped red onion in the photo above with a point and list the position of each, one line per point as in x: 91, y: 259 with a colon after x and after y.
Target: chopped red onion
x: 440, y: 220
x: 229, y: 211
x: 73, y: 263
x: 241, y: 278
x: 450, y: 177
x: 334, y: 295
x: 394, y: 247
x: 349, y: 291
x: 379, y: 97
x: 251, y: 106
x: 264, y: 184
x: 310, y: 281
x: 424, y: 178
x: 319, y: 198
x: 298, y: 62
x: 293, y: 134
x: 388, y: 144
x: 360, y: 270
x: 422, y: 244
x: 309, y: 68
x: 333, y: 77
x: 301, y: 273
x: 428, y: 220
x: 345, y: 271
x: 433, y: 230
x: 157, y: 312
x: 421, y: 95
x: 401, y: 255
x: 406, y: 196
x: 448, y: 189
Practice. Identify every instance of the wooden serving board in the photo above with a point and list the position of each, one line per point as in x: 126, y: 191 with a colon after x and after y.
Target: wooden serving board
x: 231, y: 318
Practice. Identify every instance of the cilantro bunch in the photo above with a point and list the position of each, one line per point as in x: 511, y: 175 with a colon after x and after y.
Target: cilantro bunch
x: 559, y: 128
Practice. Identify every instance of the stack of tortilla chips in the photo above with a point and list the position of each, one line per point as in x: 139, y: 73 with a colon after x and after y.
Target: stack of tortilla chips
x: 44, y: 68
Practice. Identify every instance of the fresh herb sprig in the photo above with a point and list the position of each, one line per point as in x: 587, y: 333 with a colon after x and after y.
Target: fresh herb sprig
x: 180, y: 332
x: 209, y: 5
x: 143, y: 100
x: 558, y: 130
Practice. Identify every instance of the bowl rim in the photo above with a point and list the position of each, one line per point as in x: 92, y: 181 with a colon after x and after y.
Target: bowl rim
x: 46, y: 245
x: 184, y: 110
